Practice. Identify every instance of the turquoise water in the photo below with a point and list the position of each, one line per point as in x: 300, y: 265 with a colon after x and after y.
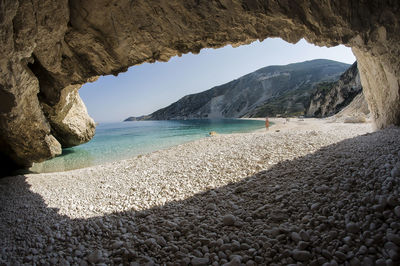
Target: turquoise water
x: 116, y: 141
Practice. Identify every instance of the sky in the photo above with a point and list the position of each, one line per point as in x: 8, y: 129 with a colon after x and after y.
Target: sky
x: 146, y: 88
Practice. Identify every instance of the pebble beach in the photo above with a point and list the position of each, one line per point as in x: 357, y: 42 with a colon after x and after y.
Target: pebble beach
x: 304, y: 192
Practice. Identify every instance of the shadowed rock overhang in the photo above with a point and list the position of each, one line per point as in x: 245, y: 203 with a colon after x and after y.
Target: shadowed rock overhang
x: 50, y: 48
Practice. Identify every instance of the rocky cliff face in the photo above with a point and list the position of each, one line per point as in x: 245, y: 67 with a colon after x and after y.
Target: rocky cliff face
x: 245, y: 96
x: 49, y: 46
x: 331, y: 97
x: 357, y: 110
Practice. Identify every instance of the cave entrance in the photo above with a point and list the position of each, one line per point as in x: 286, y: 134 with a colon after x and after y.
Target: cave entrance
x: 146, y: 88
x: 270, y: 78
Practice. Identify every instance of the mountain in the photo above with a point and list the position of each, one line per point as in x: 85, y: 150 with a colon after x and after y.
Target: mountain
x: 357, y: 108
x: 331, y: 97
x: 280, y: 88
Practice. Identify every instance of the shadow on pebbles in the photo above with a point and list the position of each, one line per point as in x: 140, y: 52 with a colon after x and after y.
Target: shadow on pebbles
x: 331, y: 205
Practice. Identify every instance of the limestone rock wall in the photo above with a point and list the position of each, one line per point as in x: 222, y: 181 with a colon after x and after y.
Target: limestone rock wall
x: 358, y: 108
x: 69, y: 119
x: 331, y: 97
x: 49, y: 45
x: 380, y: 77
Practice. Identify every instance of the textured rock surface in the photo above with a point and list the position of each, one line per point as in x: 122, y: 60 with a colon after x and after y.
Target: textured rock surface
x: 331, y: 97
x: 69, y: 120
x: 358, y: 107
x: 46, y: 46
x: 268, y: 91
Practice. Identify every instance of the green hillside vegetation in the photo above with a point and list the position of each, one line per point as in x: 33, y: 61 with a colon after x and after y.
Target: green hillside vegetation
x: 292, y: 103
x: 269, y: 91
x: 330, y: 98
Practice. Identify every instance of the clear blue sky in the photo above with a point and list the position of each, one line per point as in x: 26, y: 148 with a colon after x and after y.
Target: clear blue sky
x: 146, y: 88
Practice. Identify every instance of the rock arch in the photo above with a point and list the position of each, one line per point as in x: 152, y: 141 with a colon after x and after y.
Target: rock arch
x: 49, y: 48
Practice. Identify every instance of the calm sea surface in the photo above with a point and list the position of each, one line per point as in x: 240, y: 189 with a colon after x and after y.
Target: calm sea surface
x: 116, y: 141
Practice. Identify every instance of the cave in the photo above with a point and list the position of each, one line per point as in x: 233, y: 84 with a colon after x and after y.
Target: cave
x: 50, y: 48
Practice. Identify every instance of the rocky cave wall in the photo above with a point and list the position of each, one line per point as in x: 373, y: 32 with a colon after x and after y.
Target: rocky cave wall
x: 51, y: 47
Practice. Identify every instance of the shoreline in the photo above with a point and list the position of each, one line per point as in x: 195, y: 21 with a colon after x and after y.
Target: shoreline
x: 280, y: 125
x: 40, y: 168
x: 299, y: 128
x: 245, y: 188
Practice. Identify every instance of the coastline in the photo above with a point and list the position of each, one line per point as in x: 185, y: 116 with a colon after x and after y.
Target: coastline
x: 139, y: 140
x: 153, y: 195
x: 234, y: 147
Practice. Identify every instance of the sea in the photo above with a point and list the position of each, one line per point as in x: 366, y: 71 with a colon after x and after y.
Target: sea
x: 124, y: 140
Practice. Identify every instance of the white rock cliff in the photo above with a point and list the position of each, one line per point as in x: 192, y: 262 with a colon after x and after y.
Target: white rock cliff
x: 47, y: 46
